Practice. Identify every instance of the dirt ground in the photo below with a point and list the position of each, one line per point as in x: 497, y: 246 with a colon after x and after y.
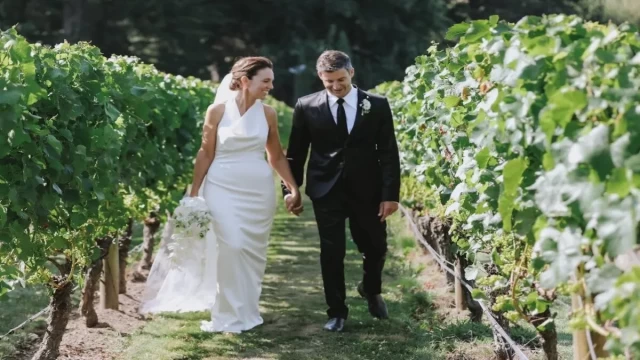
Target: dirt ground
x: 105, y: 340
x: 101, y: 342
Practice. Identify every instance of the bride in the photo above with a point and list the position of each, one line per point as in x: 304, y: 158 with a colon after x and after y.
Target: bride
x: 223, y: 272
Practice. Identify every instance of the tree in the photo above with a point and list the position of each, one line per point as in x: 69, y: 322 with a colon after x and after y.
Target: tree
x: 203, y: 39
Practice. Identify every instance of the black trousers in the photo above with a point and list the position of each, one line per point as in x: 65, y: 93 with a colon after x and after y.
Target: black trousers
x: 369, y: 234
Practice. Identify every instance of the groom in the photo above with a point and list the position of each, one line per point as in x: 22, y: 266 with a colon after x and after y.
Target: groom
x: 353, y: 172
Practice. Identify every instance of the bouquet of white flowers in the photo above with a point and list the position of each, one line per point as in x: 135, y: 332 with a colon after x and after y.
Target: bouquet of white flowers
x: 192, y: 220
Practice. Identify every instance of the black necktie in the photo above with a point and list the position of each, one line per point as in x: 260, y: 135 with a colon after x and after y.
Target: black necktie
x: 342, y: 119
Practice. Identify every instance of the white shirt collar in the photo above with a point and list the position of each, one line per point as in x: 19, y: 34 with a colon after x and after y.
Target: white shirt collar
x: 350, y: 99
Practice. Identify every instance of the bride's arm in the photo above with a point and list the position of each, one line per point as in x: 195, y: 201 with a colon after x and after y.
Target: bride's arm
x: 208, y: 146
x: 275, y: 153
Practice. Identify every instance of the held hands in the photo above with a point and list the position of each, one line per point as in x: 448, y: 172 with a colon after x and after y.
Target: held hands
x: 293, y: 202
x: 386, y: 209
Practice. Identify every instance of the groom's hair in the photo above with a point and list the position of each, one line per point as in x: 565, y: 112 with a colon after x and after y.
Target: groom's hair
x: 333, y: 60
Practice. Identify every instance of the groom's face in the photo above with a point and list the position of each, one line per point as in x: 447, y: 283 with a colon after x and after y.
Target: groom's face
x: 337, y: 82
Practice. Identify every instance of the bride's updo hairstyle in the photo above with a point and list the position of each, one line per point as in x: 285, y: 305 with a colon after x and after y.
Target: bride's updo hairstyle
x: 249, y: 67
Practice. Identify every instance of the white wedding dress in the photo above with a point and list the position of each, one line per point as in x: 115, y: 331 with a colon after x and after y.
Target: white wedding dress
x: 223, y: 273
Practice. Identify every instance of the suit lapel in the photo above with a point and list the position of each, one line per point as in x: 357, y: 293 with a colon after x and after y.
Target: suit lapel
x: 325, y: 111
x: 358, y: 120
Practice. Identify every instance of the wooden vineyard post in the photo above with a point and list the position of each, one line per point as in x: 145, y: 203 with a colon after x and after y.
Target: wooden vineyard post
x: 580, y: 340
x: 110, y: 281
x: 461, y: 304
x: 580, y: 346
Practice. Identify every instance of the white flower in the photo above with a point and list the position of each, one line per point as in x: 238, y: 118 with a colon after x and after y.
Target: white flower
x: 192, y: 218
x: 366, y: 106
x: 191, y: 221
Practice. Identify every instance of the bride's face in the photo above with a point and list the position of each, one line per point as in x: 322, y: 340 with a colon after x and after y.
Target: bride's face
x: 261, y: 83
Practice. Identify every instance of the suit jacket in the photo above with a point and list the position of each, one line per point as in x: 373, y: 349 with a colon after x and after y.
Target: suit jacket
x: 367, y: 159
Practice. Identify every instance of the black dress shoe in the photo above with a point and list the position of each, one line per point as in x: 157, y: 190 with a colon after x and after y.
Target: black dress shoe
x: 376, y: 304
x: 377, y: 307
x: 335, y: 325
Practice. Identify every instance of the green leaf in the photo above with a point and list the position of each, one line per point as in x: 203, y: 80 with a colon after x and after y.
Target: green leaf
x: 457, y: 119
x: 547, y: 123
x: 111, y: 112
x: 78, y: 219
x: 81, y: 150
x: 512, y: 174
x: 605, y: 56
x: 525, y: 221
x: 478, y: 294
x: 533, y: 72
x: 18, y: 136
x: 13, y: 195
x: 547, y: 161
x: 451, y: 101
x: 561, y: 109
x: 10, y: 96
x: 138, y: 91
x: 20, y: 51
x: 482, y: 158
x: 619, y: 183
x: 59, y: 242
x: 49, y: 200
x: 66, y: 134
x: 495, y: 257
x: 456, y: 31
x: 541, y: 306
x: 3, y: 215
x: 479, y: 29
x: 540, y: 45
x: 55, y: 143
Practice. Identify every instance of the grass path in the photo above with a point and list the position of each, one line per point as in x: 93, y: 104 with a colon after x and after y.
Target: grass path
x: 294, y: 311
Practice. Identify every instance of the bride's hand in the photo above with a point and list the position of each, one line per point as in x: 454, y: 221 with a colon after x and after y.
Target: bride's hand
x: 293, y: 202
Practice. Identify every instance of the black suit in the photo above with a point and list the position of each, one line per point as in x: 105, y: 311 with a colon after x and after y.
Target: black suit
x: 347, y: 177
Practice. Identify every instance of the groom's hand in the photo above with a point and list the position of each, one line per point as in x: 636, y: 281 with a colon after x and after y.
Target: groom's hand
x: 386, y: 209
x: 294, y: 204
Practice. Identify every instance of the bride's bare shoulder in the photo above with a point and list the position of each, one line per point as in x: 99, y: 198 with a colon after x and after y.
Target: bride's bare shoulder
x: 216, y: 108
x: 268, y: 110
x: 215, y: 112
x: 271, y: 114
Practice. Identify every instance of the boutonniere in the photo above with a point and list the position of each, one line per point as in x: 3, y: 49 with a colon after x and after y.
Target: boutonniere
x: 365, y: 105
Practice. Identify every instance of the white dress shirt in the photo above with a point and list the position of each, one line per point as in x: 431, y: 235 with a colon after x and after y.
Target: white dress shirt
x: 350, y: 106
